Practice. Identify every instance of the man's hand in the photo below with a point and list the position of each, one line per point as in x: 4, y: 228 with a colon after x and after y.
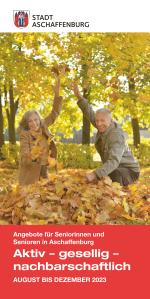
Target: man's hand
x: 76, y: 91
x: 91, y: 177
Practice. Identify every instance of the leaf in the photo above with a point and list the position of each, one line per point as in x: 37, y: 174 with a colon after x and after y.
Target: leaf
x: 128, y: 217
x: 102, y: 217
x: 81, y: 219
x: 125, y: 205
x: 35, y: 152
x: 59, y: 188
x: 52, y: 162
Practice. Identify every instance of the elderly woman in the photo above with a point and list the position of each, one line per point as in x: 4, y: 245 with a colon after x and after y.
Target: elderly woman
x: 36, y: 142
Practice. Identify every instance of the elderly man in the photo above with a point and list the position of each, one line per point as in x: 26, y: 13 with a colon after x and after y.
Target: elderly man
x: 118, y: 161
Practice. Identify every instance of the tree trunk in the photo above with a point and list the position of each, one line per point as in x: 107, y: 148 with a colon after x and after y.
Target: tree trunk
x: 1, y: 128
x: 11, y: 114
x: 86, y: 123
x: 136, y: 132
x: 134, y: 122
x: 86, y: 93
x: 85, y: 131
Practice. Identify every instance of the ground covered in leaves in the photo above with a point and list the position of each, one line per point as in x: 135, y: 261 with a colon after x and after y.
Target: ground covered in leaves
x: 66, y: 198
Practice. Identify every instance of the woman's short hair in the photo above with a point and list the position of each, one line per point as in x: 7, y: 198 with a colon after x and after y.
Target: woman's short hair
x: 24, y: 123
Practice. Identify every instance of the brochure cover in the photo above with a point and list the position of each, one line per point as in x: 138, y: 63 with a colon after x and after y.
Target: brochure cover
x: 74, y: 149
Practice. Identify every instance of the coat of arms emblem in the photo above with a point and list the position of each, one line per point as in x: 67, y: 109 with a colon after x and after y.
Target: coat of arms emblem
x: 21, y: 18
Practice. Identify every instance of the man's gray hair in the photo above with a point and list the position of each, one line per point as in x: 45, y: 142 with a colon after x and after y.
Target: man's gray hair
x: 105, y: 111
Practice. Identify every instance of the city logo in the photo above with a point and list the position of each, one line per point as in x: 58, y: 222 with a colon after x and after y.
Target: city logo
x: 21, y: 18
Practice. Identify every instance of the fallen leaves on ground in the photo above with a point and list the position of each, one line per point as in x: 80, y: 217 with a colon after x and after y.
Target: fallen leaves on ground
x: 67, y: 198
